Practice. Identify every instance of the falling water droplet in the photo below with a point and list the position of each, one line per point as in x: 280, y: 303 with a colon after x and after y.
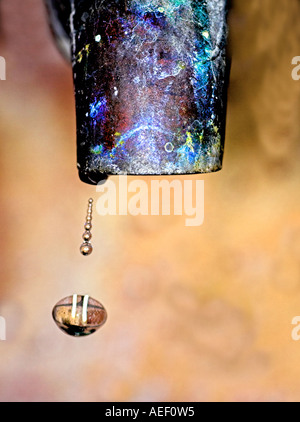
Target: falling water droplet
x: 86, y: 248
x: 79, y: 315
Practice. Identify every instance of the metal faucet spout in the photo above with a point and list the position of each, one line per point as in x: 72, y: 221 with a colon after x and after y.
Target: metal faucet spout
x: 150, y: 80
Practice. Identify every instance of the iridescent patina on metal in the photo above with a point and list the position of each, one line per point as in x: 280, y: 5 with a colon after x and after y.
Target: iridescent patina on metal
x: 150, y: 84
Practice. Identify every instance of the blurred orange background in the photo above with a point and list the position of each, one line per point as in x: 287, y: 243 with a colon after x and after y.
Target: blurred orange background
x: 194, y: 314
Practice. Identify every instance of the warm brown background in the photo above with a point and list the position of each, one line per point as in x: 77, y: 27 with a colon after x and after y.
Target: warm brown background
x: 195, y: 314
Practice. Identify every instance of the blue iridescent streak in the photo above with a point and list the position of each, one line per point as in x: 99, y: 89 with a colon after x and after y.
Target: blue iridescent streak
x: 98, y: 109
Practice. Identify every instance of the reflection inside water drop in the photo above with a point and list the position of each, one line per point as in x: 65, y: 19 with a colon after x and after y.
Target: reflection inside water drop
x: 79, y: 315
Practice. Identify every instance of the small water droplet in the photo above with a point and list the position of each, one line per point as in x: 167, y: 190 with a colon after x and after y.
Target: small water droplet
x: 86, y: 248
x: 79, y: 315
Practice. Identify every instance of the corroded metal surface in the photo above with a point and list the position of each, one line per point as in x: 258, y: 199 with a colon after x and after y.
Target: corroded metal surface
x: 150, y: 84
